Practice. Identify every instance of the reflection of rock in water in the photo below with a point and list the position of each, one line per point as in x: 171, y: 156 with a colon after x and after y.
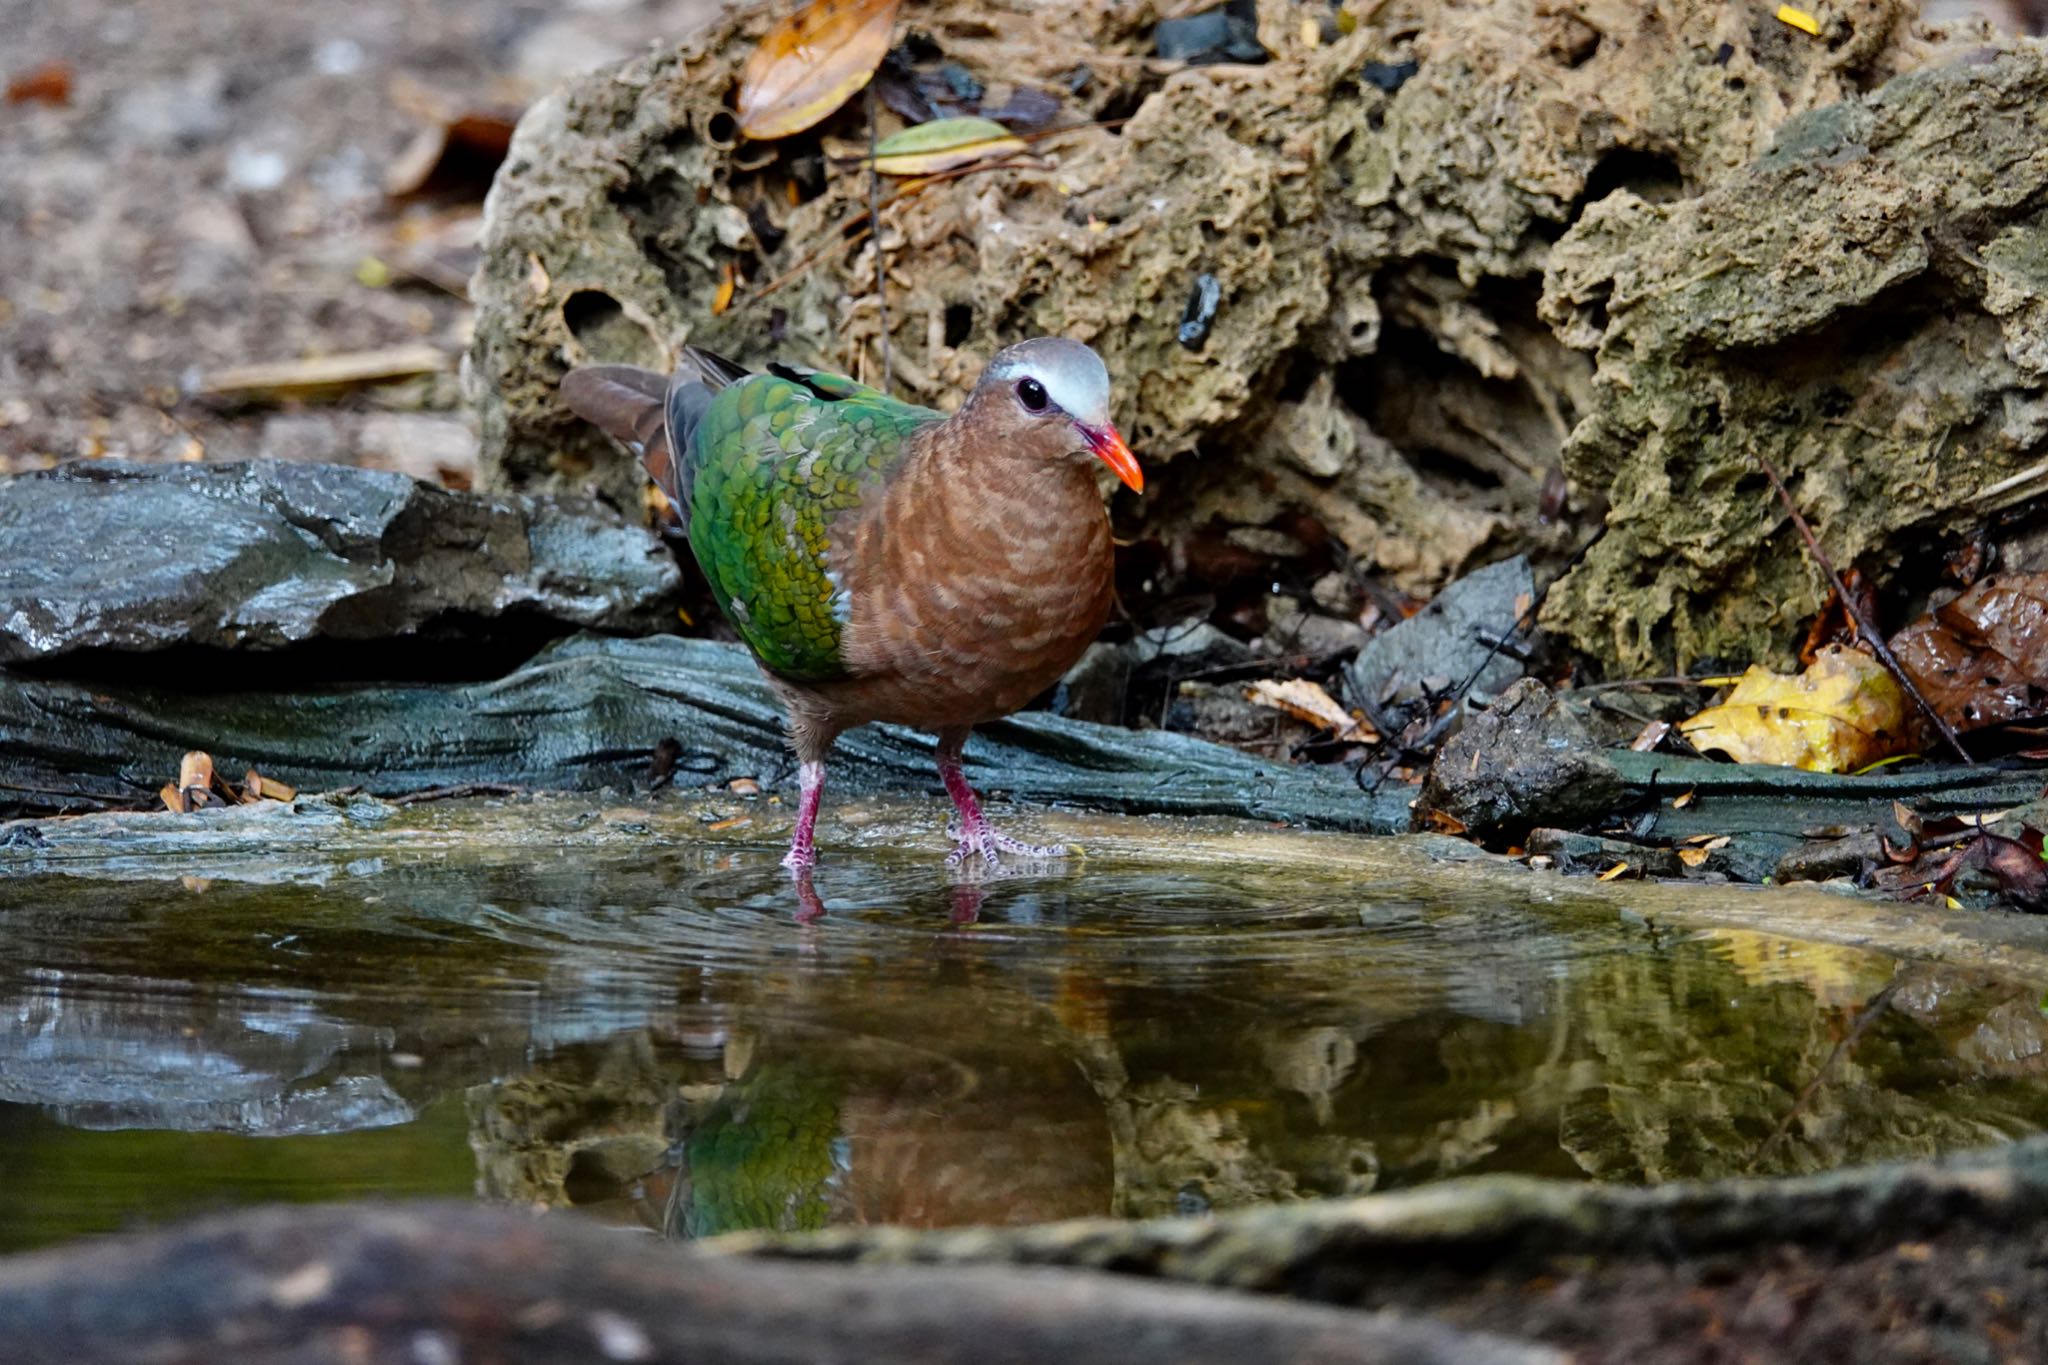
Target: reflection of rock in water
x: 581, y: 1126
x: 139, y: 1055
x: 1694, y: 1070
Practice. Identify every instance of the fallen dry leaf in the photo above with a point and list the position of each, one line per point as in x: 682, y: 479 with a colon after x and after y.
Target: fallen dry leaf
x: 455, y: 158
x: 810, y: 63
x: 945, y: 144
x: 1983, y: 658
x: 1692, y: 857
x: 1650, y: 736
x: 49, y: 83
x: 1798, y: 18
x: 257, y: 787
x: 1844, y: 712
x: 195, y: 770
x: 194, y: 787
x: 1611, y: 873
x: 727, y: 283
x: 1305, y: 700
x: 323, y: 376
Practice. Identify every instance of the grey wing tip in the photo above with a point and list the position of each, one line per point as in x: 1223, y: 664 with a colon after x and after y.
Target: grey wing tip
x: 713, y: 369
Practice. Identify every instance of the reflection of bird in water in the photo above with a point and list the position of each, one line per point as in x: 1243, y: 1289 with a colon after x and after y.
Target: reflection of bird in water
x: 885, y: 562
x: 925, y: 1141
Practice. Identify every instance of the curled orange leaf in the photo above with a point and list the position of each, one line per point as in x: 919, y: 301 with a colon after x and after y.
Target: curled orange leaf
x: 809, y: 64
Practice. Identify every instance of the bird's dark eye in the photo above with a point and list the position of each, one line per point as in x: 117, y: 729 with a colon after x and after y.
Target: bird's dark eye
x: 1031, y: 394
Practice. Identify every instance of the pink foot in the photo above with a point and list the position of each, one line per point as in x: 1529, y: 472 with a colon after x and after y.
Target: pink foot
x: 803, y: 846
x: 971, y: 829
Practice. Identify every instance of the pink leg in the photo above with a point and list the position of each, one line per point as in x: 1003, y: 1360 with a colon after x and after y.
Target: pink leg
x: 977, y: 835
x: 803, y: 847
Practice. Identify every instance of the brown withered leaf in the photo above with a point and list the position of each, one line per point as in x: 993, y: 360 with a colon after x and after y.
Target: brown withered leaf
x: 2010, y: 867
x: 49, y: 83
x: 453, y: 158
x: 1834, y: 625
x: 194, y: 788
x: 257, y: 787
x: 1650, y: 736
x: 1983, y: 658
x: 810, y: 63
x: 1305, y: 700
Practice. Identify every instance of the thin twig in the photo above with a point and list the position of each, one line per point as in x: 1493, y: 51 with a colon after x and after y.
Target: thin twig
x: 875, y: 219
x: 1865, y: 1017
x: 1864, y: 628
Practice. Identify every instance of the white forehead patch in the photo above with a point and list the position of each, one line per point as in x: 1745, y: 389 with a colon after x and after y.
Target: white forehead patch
x: 1074, y: 376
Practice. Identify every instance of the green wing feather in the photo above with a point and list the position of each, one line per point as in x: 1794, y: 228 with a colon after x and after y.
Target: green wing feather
x: 774, y: 461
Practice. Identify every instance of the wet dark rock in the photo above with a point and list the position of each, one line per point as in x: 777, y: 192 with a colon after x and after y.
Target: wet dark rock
x: 1819, y: 860
x: 1873, y: 1253
x: 1589, y: 853
x: 1389, y: 76
x: 1437, y: 649
x: 1200, y: 313
x: 262, y: 556
x: 1227, y: 33
x: 587, y: 712
x: 1293, y: 631
x: 1193, y: 644
x: 1522, y: 761
x: 1095, y: 687
x: 449, y: 1282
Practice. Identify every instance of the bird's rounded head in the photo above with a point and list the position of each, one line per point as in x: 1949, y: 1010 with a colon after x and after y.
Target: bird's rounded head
x: 1059, y: 388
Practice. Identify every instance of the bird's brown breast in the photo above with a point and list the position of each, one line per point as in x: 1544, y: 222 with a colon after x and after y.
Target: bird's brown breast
x: 971, y: 590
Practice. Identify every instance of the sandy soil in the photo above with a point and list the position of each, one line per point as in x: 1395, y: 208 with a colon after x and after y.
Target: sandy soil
x: 213, y: 195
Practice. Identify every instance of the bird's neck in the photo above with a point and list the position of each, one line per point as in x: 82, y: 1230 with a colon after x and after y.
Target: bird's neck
x: 1007, y: 501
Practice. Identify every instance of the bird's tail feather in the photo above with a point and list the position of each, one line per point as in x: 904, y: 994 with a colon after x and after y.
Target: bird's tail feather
x: 630, y: 405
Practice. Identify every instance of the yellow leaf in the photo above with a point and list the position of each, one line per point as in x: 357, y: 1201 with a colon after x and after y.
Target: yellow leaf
x: 809, y: 64
x: 722, y: 300
x: 1611, y: 873
x: 1799, y: 19
x: 1692, y: 857
x: 943, y: 145
x: 1842, y: 713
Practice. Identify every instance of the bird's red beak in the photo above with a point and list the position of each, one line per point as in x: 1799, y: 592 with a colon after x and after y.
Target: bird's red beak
x: 1111, y: 448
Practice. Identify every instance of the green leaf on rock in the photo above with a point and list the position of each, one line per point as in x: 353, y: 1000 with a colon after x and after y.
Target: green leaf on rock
x: 943, y: 145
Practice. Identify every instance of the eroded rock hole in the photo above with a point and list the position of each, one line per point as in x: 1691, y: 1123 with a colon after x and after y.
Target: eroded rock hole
x: 1650, y: 175
x: 959, y: 323
x: 606, y: 332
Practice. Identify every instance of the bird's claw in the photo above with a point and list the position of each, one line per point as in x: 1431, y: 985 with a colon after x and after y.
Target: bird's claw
x: 992, y: 844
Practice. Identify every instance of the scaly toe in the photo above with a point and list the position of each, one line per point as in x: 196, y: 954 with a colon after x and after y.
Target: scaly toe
x: 1035, y: 852
x: 992, y: 844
